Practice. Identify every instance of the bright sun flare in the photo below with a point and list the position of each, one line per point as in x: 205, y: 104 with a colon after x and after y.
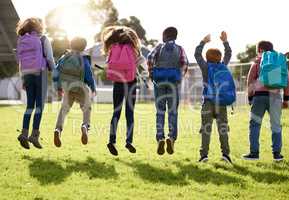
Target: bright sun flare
x: 76, y: 22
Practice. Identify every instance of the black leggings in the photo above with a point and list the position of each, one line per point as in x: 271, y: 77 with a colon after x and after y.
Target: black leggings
x: 121, y: 91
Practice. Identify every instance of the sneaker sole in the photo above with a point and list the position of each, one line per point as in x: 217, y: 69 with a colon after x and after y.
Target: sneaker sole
x: 84, y: 136
x: 253, y: 159
x: 278, y: 160
x: 131, y: 150
x: 161, y: 148
x: 35, y: 142
x: 226, y: 160
x: 170, y: 149
x: 57, y: 141
x: 24, y: 142
x: 204, y: 160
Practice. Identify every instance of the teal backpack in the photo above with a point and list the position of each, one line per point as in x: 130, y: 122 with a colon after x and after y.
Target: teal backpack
x: 273, y: 70
x: 71, y: 70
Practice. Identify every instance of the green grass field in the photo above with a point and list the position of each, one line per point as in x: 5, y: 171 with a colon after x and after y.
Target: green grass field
x: 89, y: 172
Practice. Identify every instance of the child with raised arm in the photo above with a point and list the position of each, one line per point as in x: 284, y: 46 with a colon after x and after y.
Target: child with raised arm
x: 211, y: 109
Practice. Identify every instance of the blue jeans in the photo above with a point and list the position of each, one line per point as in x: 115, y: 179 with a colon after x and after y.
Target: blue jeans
x: 166, y: 95
x: 260, y: 105
x: 123, y: 91
x: 36, y: 91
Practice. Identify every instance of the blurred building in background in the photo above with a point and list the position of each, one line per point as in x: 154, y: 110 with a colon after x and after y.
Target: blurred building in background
x: 10, y: 88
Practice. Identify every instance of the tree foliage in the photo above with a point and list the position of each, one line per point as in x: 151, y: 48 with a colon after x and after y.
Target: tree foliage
x: 134, y: 23
x: 250, y: 53
x: 8, y: 69
x: 102, y: 13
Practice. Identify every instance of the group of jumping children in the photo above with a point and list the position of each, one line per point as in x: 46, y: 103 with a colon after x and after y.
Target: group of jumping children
x: 167, y: 63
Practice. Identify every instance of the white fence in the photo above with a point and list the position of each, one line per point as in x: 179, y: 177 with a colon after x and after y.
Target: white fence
x: 190, y: 89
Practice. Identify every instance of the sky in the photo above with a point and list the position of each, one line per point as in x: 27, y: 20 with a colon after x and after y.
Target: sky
x: 246, y: 21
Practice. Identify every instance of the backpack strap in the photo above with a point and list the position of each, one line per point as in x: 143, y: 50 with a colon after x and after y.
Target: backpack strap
x: 42, y: 40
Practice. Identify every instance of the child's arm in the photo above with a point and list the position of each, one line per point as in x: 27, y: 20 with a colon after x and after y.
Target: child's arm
x: 48, y: 52
x: 56, y: 74
x: 184, y: 61
x: 228, y: 50
x: 88, y: 75
x: 251, y: 79
x: 286, y: 96
x: 199, y: 50
x: 140, y: 63
x: 151, y: 59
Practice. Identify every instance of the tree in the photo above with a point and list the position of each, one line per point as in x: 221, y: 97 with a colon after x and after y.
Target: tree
x: 8, y: 69
x: 53, y: 28
x: 134, y: 23
x: 102, y: 12
x: 246, y: 57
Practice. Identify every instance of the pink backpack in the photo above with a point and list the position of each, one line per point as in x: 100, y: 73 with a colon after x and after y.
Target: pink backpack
x: 30, y: 53
x: 121, y: 64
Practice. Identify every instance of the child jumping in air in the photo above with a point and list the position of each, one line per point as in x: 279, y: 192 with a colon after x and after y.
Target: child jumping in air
x: 35, y: 57
x: 74, y: 80
x: 212, y: 107
x: 122, y: 47
x: 167, y: 64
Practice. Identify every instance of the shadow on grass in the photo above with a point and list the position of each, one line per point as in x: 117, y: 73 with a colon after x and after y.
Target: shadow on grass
x: 204, y: 175
x: 52, y: 172
x: 281, y: 166
x: 184, y: 174
x: 156, y: 175
x: 263, y: 176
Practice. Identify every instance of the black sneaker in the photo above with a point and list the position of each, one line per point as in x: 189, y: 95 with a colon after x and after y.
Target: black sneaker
x: 251, y: 156
x: 226, y: 158
x: 161, y: 147
x: 277, y: 157
x: 204, y: 159
x: 130, y: 148
x: 112, y: 149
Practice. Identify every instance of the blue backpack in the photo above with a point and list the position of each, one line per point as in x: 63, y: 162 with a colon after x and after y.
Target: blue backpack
x: 273, y: 70
x: 167, y: 66
x: 221, y: 88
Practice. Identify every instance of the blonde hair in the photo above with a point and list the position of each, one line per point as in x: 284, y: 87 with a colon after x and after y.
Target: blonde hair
x: 120, y: 35
x: 78, y: 44
x: 29, y: 25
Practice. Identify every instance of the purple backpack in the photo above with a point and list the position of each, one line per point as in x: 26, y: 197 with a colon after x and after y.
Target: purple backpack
x: 30, y: 53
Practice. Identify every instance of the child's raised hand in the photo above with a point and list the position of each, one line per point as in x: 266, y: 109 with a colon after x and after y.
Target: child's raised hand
x: 207, y: 38
x: 224, y: 36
